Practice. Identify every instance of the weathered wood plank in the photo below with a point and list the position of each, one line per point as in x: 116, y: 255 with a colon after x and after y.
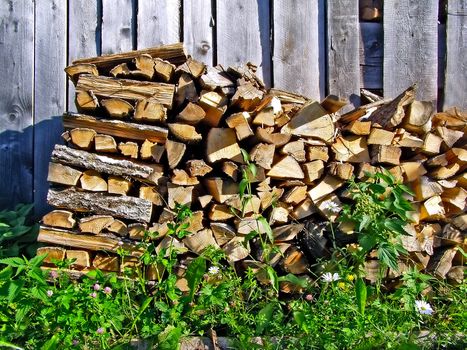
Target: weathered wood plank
x: 116, y: 26
x: 298, y: 62
x: 411, y: 48
x: 49, y: 103
x: 243, y: 35
x: 197, y: 30
x: 371, y: 55
x: 455, y: 91
x: 16, y: 96
x: 84, y: 36
x: 158, y: 23
x: 343, y: 44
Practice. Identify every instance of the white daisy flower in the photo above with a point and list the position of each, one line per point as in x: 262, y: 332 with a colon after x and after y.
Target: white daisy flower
x: 214, y: 270
x: 423, y: 307
x: 331, y: 206
x: 330, y: 277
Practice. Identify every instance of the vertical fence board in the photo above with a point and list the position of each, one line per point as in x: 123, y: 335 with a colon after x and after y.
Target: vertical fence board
x: 243, y: 34
x: 158, y: 22
x: 83, y: 35
x: 16, y: 96
x: 197, y: 29
x: 117, y: 28
x: 455, y: 92
x: 411, y: 48
x: 296, y: 54
x: 50, y: 90
x: 343, y: 51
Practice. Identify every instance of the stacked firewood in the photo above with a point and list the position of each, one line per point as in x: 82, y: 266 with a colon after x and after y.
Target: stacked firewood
x: 157, y: 128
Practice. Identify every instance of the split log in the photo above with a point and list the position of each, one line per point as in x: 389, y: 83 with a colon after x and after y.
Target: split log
x: 312, y: 120
x: 286, y: 168
x: 146, y: 149
x: 179, y: 195
x: 197, y: 167
x: 295, y: 262
x: 405, y: 139
x: 62, y: 174
x: 186, y: 90
x: 295, y: 149
x: 265, y: 117
x: 118, y: 185
x: 174, y: 53
x: 220, y: 212
x: 425, y: 188
x: 247, y: 97
x: 279, y: 215
x: 222, y: 144
x: 107, y: 87
x: 116, y: 128
x: 199, y: 241
x: 221, y: 189
x: 333, y: 104
x: 235, y: 249
x: 223, y: 233
x: 106, y: 262
x: 441, y: 262
x: 149, y: 110
x: 214, y: 105
x: 164, y: 70
x: 124, y: 207
x: 344, y: 171
x: 317, y: 153
x: 204, y: 200
x: 117, y: 108
x: 107, y: 165
x: 175, y: 152
x: 304, y: 209
x: 192, y: 114
x: 449, y: 136
x: 150, y: 193
x: 230, y: 169
x: 418, y: 118
x: 352, y: 149
x: 215, y: 78
x: 432, y: 209
x: 120, y: 70
x: 358, y: 127
x: 144, y: 67
x: 277, y: 139
x: 95, y: 224
x: 82, y: 137
x: 129, y: 149
x: 185, y: 133
x: 295, y: 195
x: 240, y: 122
x: 263, y: 155
x: 193, y: 67
x: 431, y: 144
x: 81, y: 258
x: 327, y: 186
x: 86, y: 101
x: 181, y: 177
x: 313, y: 170
x: 53, y: 254
x: 59, y: 218
x: 91, y: 180
x: 118, y: 227
x: 137, y: 231
x: 105, y: 143
x: 413, y: 170
x: 380, y: 137
x: 94, y: 243
x: 391, y: 114
x: 75, y: 70
x: 386, y: 155
x: 287, y: 232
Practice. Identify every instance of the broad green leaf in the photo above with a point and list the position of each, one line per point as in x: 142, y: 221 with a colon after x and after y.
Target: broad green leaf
x: 169, y: 338
x: 194, y: 274
x: 367, y: 241
x: 242, y: 186
x: 299, y: 317
x: 262, y: 220
x: 9, y: 345
x: 264, y: 318
x: 366, y: 219
x: 298, y: 281
x: 6, y: 273
x: 14, y: 262
x: 388, y: 255
x: 253, y: 170
x: 51, y: 344
x: 360, y: 294
x: 273, y: 278
x: 14, y: 289
x: 245, y: 155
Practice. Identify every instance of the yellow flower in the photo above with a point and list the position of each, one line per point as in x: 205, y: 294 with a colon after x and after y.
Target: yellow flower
x: 341, y: 285
x: 350, y: 277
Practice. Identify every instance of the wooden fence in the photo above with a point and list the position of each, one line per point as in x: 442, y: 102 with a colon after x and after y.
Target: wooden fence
x: 313, y: 47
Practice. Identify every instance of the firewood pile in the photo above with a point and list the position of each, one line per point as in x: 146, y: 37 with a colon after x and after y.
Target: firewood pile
x: 157, y: 128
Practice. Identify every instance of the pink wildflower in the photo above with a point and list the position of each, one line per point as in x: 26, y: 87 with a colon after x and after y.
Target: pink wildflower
x: 97, y: 286
x: 50, y: 293
x: 309, y: 297
x: 53, y: 274
x: 93, y: 295
x: 75, y: 342
x: 107, y: 290
x: 100, y: 330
